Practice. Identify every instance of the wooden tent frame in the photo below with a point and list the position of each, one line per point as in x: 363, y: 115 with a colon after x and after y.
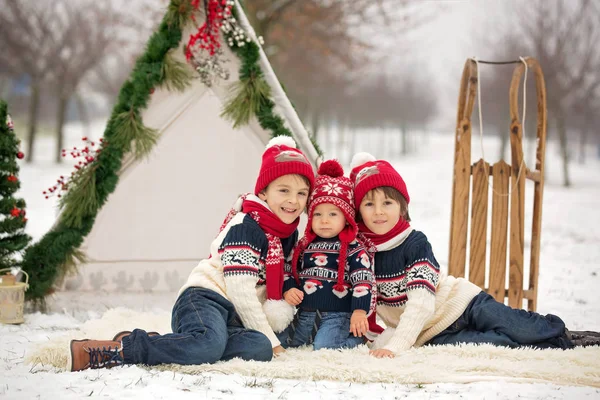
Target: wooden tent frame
x: 505, y: 178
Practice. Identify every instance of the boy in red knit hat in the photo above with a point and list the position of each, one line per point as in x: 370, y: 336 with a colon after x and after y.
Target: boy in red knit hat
x: 331, y: 277
x: 231, y: 305
x: 418, y: 304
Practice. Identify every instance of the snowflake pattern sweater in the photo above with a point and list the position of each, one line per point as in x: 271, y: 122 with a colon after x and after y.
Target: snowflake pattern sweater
x: 412, y: 295
x: 318, y: 274
x: 236, y: 270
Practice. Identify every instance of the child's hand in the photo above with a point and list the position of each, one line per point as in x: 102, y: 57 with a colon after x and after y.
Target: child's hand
x: 359, y: 325
x: 293, y: 296
x: 278, y: 350
x: 382, y: 353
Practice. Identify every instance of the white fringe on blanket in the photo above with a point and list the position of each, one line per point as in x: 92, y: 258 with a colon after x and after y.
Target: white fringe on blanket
x: 429, y: 364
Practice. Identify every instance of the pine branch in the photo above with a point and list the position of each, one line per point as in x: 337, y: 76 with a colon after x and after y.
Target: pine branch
x: 129, y: 129
x: 178, y: 13
x: 75, y: 257
x: 175, y: 75
x: 246, y: 97
x: 81, y: 199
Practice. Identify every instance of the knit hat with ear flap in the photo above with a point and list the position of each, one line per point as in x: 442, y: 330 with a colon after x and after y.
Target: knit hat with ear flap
x: 369, y: 173
x: 281, y: 157
x: 331, y: 187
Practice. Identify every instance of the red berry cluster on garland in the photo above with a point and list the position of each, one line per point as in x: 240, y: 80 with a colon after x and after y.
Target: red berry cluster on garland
x: 86, y: 155
x: 207, y: 36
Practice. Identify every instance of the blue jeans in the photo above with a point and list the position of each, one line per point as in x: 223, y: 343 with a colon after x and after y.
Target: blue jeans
x: 487, y: 321
x: 206, y: 329
x: 332, y: 332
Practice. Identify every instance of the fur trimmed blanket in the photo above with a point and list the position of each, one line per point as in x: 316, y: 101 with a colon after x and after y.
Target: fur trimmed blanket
x: 429, y: 364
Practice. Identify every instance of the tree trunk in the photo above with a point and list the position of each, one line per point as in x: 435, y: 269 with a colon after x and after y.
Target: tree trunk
x: 380, y: 152
x: 583, y: 137
x: 564, y: 151
x: 4, y: 82
x: 315, y: 124
x: 61, y: 116
x: 34, y: 102
x: 404, y: 142
x: 352, y: 145
x: 582, y: 142
x: 341, y: 139
x: 83, y: 114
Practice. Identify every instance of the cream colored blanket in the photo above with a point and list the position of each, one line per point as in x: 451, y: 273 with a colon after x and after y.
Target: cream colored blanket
x: 430, y: 364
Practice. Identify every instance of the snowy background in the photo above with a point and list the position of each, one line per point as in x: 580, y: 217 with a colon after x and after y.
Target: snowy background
x: 568, y: 282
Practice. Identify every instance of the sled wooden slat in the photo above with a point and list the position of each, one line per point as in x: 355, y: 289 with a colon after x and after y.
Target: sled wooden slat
x: 506, y: 184
x: 517, y: 217
x: 462, y: 173
x: 501, y: 179
x: 460, y: 204
x: 540, y: 155
x: 479, y: 213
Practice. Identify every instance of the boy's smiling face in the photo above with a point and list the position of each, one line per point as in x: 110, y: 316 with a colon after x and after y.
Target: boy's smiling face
x: 286, y: 196
x: 379, y: 212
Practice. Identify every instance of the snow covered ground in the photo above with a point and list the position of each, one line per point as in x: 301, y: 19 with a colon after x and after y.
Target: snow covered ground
x: 569, y: 278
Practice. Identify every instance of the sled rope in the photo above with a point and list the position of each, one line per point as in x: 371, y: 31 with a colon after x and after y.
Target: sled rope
x: 480, y: 116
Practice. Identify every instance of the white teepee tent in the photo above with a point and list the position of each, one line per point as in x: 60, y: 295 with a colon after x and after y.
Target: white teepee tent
x: 165, y: 211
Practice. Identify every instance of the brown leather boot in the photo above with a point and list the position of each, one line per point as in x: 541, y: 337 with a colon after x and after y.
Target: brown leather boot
x: 119, y: 336
x: 94, y: 354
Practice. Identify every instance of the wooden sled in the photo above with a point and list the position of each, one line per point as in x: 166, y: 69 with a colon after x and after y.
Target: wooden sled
x: 480, y: 180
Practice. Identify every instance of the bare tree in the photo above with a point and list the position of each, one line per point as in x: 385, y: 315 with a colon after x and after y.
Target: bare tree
x: 57, y: 44
x: 564, y: 37
x: 29, y: 46
x: 321, y: 48
x: 585, y: 112
x: 399, y: 105
x: 108, y: 75
x: 90, y: 31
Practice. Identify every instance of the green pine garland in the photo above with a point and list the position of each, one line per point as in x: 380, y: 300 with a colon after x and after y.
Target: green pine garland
x: 56, y: 253
x: 130, y: 130
x: 175, y: 74
x: 246, y: 97
x: 179, y: 12
x: 81, y: 199
x: 75, y: 257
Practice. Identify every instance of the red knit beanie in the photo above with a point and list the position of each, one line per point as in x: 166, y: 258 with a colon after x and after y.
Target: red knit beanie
x: 369, y: 173
x: 281, y: 157
x: 331, y: 187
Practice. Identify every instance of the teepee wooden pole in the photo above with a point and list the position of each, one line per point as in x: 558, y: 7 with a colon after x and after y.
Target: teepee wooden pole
x: 279, y: 97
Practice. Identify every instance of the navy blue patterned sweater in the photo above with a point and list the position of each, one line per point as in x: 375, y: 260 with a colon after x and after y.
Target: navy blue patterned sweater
x: 412, y: 296
x: 318, y: 274
x: 236, y: 270
x: 410, y: 265
x: 244, y: 250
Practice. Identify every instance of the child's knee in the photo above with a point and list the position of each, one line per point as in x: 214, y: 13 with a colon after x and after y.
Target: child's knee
x: 262, y: 348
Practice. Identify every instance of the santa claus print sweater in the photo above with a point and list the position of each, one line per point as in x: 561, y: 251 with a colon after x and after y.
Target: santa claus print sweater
x: 318, y: 273
x: 236, y: 270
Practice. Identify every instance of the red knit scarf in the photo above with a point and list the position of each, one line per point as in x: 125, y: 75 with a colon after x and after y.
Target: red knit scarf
x: 275, y: 229
x: 400, y: 227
